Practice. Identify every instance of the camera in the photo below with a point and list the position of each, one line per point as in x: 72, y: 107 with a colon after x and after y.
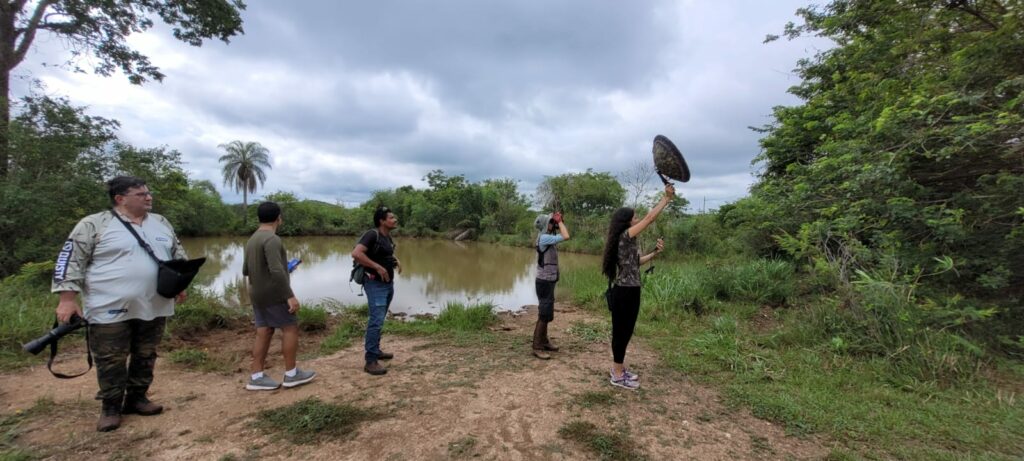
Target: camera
x: 37, y: 345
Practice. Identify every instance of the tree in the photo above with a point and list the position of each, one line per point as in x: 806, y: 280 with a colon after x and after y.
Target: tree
x: 908, y: 140
x: 243, y: 168
x: 100, y: 28
x: 636, y: 179
x: 585, y: 194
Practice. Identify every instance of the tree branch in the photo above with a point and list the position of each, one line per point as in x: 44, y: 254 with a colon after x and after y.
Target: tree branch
x: 30, y: 33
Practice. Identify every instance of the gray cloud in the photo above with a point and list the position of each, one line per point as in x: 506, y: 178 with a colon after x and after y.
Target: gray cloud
x: 353, y: 97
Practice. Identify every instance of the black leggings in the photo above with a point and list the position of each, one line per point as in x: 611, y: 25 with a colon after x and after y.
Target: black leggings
x: 625, y: 308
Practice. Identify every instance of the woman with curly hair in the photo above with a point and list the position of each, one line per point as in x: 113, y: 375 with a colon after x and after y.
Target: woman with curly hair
x: 622, y: 261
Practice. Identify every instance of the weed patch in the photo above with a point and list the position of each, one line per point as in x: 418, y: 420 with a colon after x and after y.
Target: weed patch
x: 593, y: 399
x: 199, y: 360
x: 462, y: 448
x: 312, y: 420
x: 591, y: 332
x: 608, y: 446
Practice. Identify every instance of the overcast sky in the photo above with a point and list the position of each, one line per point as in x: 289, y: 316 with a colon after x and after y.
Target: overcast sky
x: 351, y: 97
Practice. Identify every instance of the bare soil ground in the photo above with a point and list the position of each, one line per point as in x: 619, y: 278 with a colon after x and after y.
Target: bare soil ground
x: 439, y: 400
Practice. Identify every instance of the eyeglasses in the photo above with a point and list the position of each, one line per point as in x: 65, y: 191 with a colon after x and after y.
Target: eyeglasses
x: 139, y: 194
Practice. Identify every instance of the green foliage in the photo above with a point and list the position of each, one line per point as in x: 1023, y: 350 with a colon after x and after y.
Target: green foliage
x: 311, y: 420
x: 451, y: 203
x: 908, y: 141
x: 61, y: 157
x: 581, y: 194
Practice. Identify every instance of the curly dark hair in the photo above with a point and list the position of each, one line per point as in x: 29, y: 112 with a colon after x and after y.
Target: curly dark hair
x: 621, y: 220
x: 380, y: 214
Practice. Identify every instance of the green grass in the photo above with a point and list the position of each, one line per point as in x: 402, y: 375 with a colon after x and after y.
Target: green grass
x: 792, y: 372
x: 199, y: 361
x: 312, y: 420
x: 591, y: 332
x: 608, y: 446
x: 312, y: 318
x: 202, y: 311
x: 26, y: 312
x: 44, y: 407
x: 455, y: 321
x: 592, y: 399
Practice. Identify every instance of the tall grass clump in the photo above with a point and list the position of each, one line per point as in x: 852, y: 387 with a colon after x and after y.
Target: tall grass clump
x: 312, y: 318
x: 26, y: 310
x: 454, y: 319
x: 761, y: 281
x: 885, y: 316
x: 203, y: 310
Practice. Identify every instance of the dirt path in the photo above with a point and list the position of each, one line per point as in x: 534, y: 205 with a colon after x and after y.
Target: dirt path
x: 438, y: 401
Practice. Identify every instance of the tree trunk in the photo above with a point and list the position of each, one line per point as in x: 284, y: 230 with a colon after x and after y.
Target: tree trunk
x: 5, y: 119
x: 7, y: 62
x: 245, y: 207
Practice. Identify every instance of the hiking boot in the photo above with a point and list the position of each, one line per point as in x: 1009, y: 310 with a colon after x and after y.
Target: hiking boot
x: 541, y: 354
x: 385, y: 356
x: 110, y: 416
x: 545, y: 343
x: 301, y: 377
x: 623, y: 382
x: 264, y: 383
x: 140, y: 405
x: 375, y: 369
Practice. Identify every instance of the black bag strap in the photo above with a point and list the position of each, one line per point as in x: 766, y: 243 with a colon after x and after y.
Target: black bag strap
x: 145, y: 246
x: 540, y: 253
x: 53, y: 354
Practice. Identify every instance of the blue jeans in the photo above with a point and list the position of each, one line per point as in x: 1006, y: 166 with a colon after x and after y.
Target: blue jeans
x: 378, y: 296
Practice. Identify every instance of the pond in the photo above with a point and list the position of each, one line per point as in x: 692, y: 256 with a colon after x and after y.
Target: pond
x: 435, y: 272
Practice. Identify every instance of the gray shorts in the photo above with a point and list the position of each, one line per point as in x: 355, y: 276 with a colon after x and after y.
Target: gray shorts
x: 273, y: 316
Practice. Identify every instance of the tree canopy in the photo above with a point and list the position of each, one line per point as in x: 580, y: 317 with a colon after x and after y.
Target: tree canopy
x: 908, y: 142
x: 100, y: 28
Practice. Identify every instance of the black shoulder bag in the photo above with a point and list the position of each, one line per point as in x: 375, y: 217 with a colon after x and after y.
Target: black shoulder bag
x: 358, y: 274
x: 173, y: 276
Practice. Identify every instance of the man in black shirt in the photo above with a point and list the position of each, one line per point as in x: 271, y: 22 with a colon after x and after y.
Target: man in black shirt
x: 376, y: 252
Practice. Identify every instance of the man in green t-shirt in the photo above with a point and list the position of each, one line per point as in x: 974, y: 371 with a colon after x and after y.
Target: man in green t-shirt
x: 273, y: 303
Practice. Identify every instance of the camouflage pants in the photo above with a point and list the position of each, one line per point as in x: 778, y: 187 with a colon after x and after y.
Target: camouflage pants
x: 125, y: 353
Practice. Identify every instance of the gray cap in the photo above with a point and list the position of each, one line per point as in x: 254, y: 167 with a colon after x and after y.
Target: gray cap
x: 541, y: 223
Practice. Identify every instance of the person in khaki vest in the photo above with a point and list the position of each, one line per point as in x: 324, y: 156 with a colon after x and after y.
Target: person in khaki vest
x: 552, y: 232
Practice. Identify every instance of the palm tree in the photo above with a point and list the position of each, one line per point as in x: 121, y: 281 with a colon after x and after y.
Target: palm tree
x: 243, y: 167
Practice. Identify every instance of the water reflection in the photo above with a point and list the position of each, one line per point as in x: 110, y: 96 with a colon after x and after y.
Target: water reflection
x: 435, y: 271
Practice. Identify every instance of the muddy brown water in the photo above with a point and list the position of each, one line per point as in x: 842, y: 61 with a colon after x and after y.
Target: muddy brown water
x: 435, y: 272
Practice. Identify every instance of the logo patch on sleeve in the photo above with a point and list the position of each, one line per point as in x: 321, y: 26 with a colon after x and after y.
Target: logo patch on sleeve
x: 60, y: 270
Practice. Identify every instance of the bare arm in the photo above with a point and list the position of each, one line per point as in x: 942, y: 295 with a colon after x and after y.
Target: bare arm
x: 639, y: 227
x: 359, y: 255
x: 563, y: 230
x: 649, y: 256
